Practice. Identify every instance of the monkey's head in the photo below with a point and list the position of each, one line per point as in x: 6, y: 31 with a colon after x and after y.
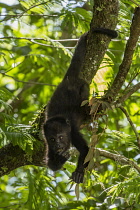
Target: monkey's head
x: 57, y: 131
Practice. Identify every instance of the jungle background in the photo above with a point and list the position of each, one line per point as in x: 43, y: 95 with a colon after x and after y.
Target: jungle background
x: 37, y: 42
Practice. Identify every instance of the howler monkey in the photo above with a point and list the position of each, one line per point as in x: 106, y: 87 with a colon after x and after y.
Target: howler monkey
x: 65, y: 113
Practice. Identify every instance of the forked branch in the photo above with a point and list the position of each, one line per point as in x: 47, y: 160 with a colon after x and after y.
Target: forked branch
x: 118, y: 158
x: 132, y: 125
x: 128, y: 55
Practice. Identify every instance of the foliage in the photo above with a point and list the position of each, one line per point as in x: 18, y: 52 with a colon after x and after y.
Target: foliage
x: 32, y: 65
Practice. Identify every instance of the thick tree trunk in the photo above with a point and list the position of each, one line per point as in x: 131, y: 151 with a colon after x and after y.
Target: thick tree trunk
x: 105, y: 15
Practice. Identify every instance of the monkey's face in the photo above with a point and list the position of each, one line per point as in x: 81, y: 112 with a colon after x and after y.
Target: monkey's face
x: 57, y: 133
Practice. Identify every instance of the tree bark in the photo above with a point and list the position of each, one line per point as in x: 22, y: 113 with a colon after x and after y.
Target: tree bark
x: 105, y: 15
x: 128, y: 56
x: 12, y: 157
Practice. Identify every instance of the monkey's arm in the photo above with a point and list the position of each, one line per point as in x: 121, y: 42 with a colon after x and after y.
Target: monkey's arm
x: 81, y: 145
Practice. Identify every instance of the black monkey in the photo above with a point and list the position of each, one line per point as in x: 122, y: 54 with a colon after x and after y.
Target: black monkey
x: 65, y: 113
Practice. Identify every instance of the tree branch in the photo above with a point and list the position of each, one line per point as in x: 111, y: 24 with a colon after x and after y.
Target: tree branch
x: 105, y: 15
x: 42, y: 39
x: 128, y: 55
x: 130, y: 91
x: 120, y: 158
x: 19, y: 14
x: 132, y: 125
x: 33, y: 6
x: 138, y: 5
x: 12, y: 157
x: 15, y: 157
x: 29, y: 82
x: 47, y: 45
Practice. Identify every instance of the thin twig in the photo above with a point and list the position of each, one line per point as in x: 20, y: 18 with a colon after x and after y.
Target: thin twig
x: 29, y: 38
x: 130, y: 91
x: 131, y: 80
x: 135, y: 3
x: 15, y: 96
x: 33, y: 6
x: 132, y: 125
x: 19, y: 14
x: 120, y: 158
x: 35, y: 83
x: 46, y: 45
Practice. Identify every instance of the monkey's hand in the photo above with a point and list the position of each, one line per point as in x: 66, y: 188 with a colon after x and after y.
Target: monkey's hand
x: 78, y: 176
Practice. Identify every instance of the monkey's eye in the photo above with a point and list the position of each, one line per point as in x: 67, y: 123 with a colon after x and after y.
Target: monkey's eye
x: 52, y: 139
x: 60, y: 137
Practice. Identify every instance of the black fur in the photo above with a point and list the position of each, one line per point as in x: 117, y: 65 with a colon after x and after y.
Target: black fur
x: 111, y: 33
x: 65, y: 114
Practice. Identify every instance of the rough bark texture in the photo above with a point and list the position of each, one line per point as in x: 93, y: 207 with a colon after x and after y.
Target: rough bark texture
x: 12, y: 157
x: 119, y: 158
x: 105, y: 15
x: 128, y: 55
x: 129, y: 92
